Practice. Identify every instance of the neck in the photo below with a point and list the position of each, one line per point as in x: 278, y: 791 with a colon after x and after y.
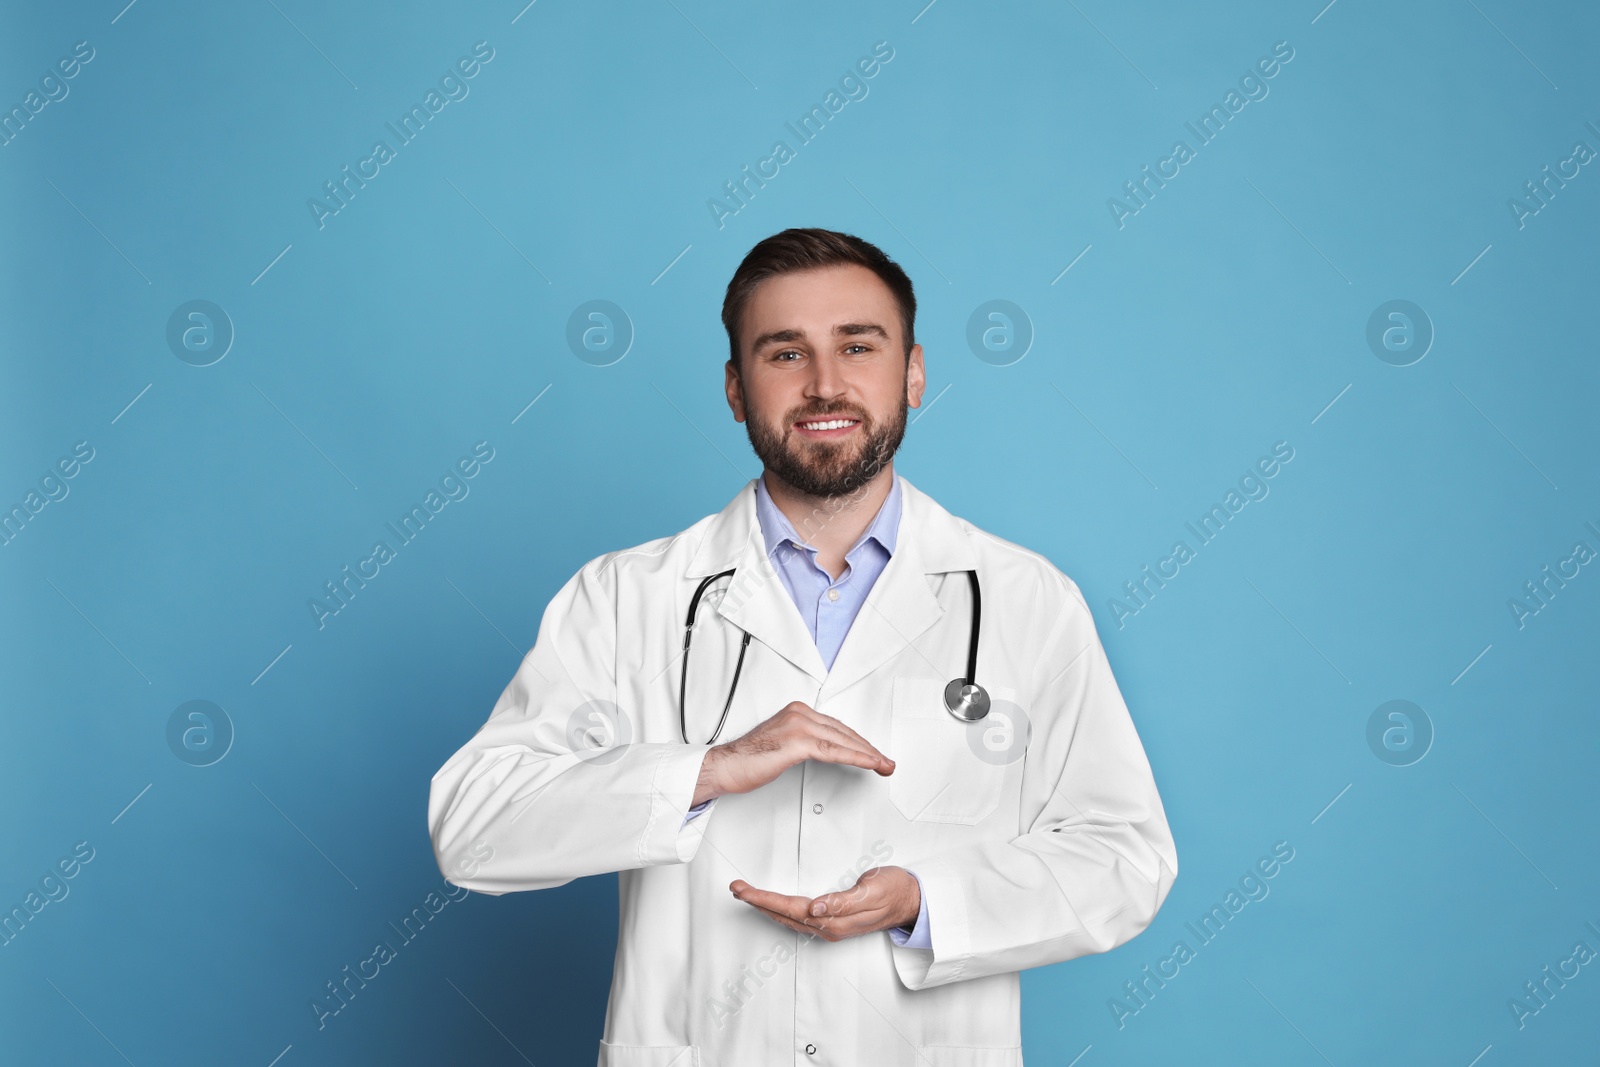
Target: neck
x: 831, y: 523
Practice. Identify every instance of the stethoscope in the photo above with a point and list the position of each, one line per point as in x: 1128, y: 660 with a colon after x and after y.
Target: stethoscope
x: 963, y: 697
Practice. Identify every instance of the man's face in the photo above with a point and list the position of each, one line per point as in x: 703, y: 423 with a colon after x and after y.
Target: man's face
x: 824, y: 346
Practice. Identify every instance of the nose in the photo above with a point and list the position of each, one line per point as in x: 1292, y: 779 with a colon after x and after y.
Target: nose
x: 825, y: 382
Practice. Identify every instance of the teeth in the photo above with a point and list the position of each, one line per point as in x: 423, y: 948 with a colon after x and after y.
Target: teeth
x: 831, y: 424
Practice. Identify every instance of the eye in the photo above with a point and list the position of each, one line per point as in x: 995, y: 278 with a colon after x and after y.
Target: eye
x: 786, y: 352
x: 864, y: 348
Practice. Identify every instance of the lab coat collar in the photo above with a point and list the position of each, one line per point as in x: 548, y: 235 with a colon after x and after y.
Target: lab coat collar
x: 900, y: 607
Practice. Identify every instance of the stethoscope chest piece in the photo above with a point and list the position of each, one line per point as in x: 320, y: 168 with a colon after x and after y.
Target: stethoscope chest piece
x: 967, y: 702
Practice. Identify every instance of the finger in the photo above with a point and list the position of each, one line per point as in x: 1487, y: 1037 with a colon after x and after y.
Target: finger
x: 831, y: 741
x: 839, y: 751
x: 845, y: 904
x: 832, y: 929
x: 869, y: 900
x: 808, y: 929
x: 797, y: 908
x: 828, y: 721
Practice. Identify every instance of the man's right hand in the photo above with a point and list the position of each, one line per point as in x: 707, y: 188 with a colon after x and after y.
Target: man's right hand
x: 794, y: 734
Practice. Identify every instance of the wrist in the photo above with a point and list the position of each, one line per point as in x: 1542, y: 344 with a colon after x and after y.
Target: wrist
x: 707, y: 787
x: 914, y: 902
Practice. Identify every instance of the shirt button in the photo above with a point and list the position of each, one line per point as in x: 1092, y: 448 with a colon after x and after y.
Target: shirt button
x: 811, y: 1050
x: 833, y: 594
x: 817, y: 808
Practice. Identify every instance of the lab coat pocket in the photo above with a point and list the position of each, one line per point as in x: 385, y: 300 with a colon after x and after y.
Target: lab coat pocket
x: 648, y: 1055
x: 939, y: 775
x: 954, y: 1056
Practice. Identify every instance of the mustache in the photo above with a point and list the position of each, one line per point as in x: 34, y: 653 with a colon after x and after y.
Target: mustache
x: 808, y: 416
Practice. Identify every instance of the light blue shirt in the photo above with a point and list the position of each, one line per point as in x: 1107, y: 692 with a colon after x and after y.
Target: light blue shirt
x: 830, y: 606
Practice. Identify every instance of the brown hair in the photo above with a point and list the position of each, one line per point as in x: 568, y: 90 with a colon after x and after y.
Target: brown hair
x: 808, y: 249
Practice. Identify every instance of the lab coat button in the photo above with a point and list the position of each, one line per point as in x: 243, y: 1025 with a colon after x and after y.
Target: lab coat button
x: 811, y: 1050
x: 817, y: 808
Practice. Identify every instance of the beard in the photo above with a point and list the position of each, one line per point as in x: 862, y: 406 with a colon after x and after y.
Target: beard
x: 827, y: 469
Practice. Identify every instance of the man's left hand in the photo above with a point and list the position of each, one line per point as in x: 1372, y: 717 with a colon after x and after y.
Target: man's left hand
x: 881, y: 898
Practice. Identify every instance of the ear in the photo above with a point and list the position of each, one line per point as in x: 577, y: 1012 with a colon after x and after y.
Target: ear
x: 731, y: 386
x: 916, y: 377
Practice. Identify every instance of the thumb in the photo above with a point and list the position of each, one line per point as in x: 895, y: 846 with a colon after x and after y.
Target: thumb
x: 845, y: 901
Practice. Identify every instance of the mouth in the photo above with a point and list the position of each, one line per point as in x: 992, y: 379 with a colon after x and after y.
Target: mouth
x: 823, y: 429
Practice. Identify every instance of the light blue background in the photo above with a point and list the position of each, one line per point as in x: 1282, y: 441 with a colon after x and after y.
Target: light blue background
x: 1223, y: 317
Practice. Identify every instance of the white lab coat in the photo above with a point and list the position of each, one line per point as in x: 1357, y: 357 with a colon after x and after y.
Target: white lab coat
x: 1059, y: 854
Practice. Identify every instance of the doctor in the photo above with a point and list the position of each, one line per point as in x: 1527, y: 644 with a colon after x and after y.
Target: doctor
x: 850, y: 874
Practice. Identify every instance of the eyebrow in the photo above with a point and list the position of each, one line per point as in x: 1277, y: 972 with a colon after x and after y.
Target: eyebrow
x: 844, y: 329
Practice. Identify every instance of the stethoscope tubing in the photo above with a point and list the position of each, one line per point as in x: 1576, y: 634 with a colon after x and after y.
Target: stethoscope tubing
x: 683, y: 677
x: 972, y: 641
x: 688, y: 630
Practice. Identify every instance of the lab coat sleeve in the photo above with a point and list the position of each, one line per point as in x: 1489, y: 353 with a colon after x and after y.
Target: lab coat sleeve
x: 527, y: 803
x: 1095, y: 858
x: 919, y: 936
x: 696, y: 810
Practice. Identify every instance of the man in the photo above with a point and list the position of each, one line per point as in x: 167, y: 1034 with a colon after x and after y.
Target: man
x: 855, y: 875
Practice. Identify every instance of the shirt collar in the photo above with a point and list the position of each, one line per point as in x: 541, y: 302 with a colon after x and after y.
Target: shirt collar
x: 776, y: 529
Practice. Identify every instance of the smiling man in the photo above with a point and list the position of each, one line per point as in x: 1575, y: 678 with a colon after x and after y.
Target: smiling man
x: 930, y: 782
